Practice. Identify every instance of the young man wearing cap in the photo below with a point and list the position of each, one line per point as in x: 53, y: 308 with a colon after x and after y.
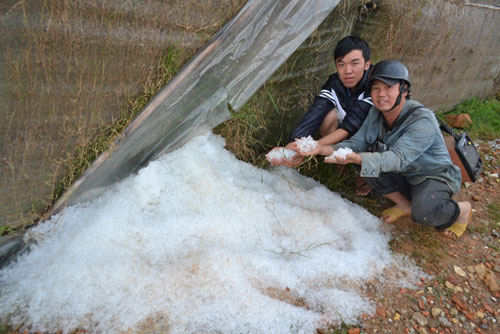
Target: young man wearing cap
x: 403, y: 156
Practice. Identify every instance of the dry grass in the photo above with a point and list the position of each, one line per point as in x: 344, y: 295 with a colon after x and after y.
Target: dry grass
x: 76, y: 73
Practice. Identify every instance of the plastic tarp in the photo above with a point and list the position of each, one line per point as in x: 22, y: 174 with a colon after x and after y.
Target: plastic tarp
x: 225, y: 74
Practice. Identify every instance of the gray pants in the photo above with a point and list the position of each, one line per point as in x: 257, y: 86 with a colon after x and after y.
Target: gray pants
x: 431, y: 202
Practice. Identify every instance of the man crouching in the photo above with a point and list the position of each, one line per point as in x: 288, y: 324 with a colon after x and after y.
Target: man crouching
x: 403, y: 156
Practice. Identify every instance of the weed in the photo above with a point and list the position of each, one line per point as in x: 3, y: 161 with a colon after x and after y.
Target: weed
x: 4, y: 329
x: 418, y: 12
x: 240, y: 133
x: 4, y: 230
x: 448, y: 292
x: 273, y: 102
x: 479, y: 229
x: 343, y: 328
x: 394, y: 244
x: 494, y: 211
x: 300, y: 252
x: 423, y: 236
x: 418, y: 254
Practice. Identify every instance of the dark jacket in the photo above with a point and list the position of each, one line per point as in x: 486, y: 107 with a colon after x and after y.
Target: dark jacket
x: 335, y: 95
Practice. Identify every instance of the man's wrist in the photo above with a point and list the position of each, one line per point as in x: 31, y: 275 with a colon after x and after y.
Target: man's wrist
x: 359, y: 158
x: 326, y: 150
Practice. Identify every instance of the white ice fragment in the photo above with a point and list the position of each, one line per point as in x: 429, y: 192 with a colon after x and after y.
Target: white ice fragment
x: 306, y: 144
x: 280, y: 154
x: 340, y: 153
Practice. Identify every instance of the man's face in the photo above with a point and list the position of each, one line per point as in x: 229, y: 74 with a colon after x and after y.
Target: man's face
x: 384, y: 96
x: 351, y: 68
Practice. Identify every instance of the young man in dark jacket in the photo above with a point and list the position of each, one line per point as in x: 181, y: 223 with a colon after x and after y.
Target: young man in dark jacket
x: 342, y: 104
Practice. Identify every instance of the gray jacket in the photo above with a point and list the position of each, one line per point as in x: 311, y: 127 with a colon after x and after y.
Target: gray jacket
x: 415, y: 148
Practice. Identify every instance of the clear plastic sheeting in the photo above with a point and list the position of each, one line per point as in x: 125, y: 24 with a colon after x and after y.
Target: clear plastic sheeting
x: 230, y: 68
x: 488, y: 4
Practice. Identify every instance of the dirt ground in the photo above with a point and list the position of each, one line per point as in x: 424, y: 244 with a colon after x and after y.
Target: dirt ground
x: 463, y: 295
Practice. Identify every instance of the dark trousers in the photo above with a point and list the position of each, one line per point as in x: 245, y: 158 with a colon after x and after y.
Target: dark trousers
x: 431, y: 202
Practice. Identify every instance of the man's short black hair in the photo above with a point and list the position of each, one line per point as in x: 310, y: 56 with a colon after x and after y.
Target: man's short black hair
x: 350, y: 43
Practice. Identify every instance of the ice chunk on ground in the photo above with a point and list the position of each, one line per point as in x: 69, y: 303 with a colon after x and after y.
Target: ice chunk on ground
x: 340, y: 153
x: 199, y: 241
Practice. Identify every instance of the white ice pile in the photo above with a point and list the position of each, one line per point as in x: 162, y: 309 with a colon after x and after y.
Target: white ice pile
x: 199, y: 242
x: 306, y: 144
x: 340, y: 153
x: 280, y: 153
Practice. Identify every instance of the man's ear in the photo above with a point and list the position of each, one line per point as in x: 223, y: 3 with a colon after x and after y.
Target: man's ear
x: 367, y: 64
x: 404, y: 93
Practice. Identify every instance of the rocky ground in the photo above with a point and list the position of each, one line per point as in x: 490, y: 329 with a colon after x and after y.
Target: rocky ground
x: 463, y: 295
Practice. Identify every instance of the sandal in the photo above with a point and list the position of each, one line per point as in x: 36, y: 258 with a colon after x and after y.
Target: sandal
x: 457, y: 229
x: 394, y: 213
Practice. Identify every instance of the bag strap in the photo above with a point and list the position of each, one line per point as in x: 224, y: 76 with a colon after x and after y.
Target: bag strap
x: 403, y: 118
x: 446, y: 128
x: 442, y: 125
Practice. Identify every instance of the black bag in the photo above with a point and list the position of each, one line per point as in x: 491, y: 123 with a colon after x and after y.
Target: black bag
x: 466, y: 151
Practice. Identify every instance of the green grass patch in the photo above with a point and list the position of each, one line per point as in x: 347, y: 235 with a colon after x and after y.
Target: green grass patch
x: 424, y: 236
x: 485, y: 115
x: 479, y: 229
x: 494, y: 210
x: 4, y: 229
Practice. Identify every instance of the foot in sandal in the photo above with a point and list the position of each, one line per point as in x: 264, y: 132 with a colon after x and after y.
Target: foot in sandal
x: 394, y: 213
x: 458, y: 227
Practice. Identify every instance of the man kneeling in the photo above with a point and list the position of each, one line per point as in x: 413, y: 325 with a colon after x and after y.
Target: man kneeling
x: 403, y: 156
